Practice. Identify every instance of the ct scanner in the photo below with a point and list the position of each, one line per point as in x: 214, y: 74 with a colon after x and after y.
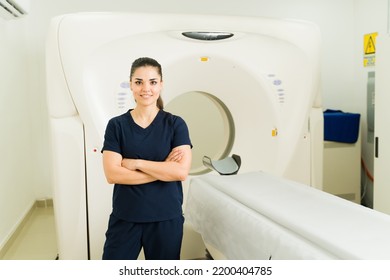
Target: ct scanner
x: 244, y: 85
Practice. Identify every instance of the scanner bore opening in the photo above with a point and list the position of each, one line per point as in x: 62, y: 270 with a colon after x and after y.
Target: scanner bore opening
x: 210, y: 124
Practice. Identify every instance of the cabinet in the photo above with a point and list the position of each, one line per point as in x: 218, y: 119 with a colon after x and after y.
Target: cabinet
x: 341, y: 174
x: 382, y: 125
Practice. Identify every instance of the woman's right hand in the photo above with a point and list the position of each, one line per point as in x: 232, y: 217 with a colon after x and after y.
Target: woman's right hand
x: 129, y: 163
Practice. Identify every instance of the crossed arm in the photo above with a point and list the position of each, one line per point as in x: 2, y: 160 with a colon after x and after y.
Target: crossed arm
x: 120, y: 170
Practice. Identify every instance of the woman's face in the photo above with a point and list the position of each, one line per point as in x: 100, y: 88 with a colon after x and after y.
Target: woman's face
x: 146, y: 85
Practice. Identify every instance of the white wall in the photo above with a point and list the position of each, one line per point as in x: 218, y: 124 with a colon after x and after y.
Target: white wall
x: 341, y: 23
x: 17, y: 161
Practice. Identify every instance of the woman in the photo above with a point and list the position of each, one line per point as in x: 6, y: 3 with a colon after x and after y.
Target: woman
x: 146, y: 154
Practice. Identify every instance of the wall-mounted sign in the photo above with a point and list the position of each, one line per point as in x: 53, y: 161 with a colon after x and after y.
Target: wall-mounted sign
x: 369, y: 49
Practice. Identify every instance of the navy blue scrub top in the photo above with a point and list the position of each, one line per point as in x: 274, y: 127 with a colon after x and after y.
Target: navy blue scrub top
x: 155, y: 201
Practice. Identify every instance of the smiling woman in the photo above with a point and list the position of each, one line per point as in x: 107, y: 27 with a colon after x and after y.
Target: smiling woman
x: 146, y: 83
x: 146, y: 154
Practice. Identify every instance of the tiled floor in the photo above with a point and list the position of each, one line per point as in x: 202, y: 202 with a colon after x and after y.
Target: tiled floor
x: 37, y: 239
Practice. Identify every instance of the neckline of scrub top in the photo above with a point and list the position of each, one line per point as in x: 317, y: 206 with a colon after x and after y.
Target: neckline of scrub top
x: 140, y: 128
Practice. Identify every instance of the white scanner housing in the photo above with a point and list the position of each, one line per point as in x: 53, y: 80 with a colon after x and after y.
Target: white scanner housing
x: 244, y: 85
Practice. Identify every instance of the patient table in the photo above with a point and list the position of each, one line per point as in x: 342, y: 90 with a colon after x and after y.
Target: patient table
x: 261, y: 216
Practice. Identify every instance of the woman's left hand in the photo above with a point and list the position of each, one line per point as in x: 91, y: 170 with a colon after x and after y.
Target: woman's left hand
x: 175, y: 155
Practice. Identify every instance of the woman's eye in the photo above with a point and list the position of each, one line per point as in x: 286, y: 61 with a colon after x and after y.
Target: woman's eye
x: 138, y: 83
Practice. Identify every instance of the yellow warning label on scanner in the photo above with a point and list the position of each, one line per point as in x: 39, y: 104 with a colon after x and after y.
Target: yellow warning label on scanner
x: 369, y: 43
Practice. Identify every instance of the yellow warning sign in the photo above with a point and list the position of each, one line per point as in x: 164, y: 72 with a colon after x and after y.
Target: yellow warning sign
x: 369, y: 43
x: 369, y: 49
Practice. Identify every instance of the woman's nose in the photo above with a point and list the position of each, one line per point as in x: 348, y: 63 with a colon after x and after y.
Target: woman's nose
x: 146, y: 88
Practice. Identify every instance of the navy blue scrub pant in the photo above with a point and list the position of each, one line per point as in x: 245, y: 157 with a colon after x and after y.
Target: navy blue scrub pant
x: 160, y: 240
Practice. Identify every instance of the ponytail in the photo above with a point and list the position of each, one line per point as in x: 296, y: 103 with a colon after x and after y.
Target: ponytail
x: 160, y: 103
